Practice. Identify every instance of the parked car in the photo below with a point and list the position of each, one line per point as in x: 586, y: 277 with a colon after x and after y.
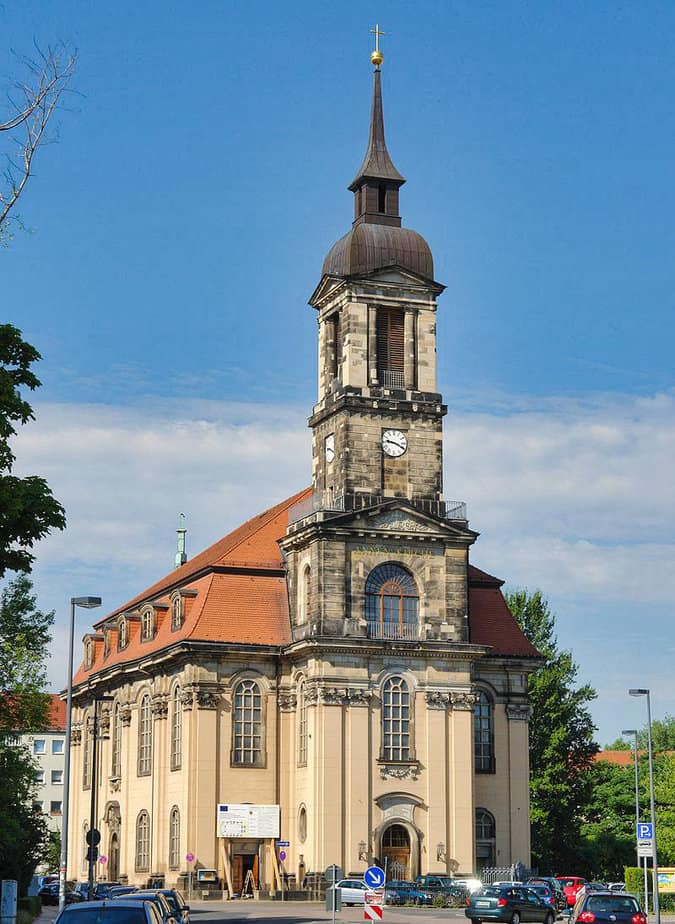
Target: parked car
x: 117, y: 891
x: 49, y: 894
x: 119, y: 911
x: 610, y: 907
x: 102, y: 889
x: 616, y: 886
x: 400, y: 892
x: 511, y: 904
x: 440, y: 885
x: 571, y: 885
x: 547, y: 893
x: 178, y: 904
x: 351, y: 891
x: 169, y: 916
x: 553, y: 883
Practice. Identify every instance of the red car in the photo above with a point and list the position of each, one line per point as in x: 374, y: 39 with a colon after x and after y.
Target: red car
x: 571, y: 885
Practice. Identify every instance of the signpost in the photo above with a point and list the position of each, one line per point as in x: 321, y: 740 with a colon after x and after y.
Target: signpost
x: 190, y: 857
x: 374, y: 877
x: 645, y: 839
x: 333, y: 874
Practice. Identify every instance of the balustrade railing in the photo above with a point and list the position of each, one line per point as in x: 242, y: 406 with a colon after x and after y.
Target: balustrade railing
x: 348, y: 503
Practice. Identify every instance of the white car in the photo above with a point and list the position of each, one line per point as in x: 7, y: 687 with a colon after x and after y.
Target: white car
x: 352, y: 891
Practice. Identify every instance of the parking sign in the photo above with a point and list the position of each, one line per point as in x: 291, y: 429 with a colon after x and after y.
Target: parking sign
x: 645, y: 831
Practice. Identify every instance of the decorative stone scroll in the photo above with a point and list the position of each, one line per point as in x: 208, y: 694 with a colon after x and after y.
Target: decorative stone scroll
x: 125, y: 714
x: 207, y: 699
x: 399, y: 771
x: 397, y: 520
x: 287, y: 701
x: 345, y: 696
x: 187, y: 699
x: 104, y: 722
x: 518, y: 712
x: 76, y: 736
x: 159, y: 706
x: 115, y: 783
x: 311, y: 695
x: 450, y: 699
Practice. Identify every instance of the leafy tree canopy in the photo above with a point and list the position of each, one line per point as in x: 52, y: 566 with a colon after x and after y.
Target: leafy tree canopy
x: 561, y: 739
x: 28, y: 509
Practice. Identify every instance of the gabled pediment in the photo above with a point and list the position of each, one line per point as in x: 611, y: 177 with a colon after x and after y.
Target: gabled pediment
x: 400, y: 517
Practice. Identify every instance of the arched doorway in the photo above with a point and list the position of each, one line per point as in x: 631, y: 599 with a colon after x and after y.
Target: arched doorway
x: 114, y: 858
x: 396, y: 851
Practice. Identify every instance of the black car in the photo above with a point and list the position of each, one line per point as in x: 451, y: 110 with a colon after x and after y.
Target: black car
x: 119, y: 911
x: 552, y: 883
x: 169, y: 916
x: 49, y: 894
x: 612, y: 907
x: 178, y: 904
x: 400, y: 892
x: 440, y: 885
x: 511, y: 904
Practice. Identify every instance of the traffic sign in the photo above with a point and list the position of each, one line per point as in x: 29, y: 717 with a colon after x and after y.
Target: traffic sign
x: 645, y: 831
x: 283, y: 843
x: 282, y: 855
x: 374, y: 877
x: 190, y: 857
x: 645, y: 848
x: 103, y: 858
x: 373, y: 903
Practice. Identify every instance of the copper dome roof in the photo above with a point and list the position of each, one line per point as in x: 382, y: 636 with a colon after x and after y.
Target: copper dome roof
x: 368, y: 247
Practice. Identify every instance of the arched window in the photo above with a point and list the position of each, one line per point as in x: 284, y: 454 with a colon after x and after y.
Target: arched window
x: 143, y: 841
x: 483, y: 734
x: 247, y: 725
x: 177, y: 612
x: 174, y: 838
x: 86, y: 753
x: 147, y: 623
x: 85, y: 846
x: 395, y: 720
x: 302, y: 725
x: 176, y: 730
x: 144, y: 737
x: 302, y: 824
x: 116, y: 749
x: 485, y: 838
x: 392, y: 603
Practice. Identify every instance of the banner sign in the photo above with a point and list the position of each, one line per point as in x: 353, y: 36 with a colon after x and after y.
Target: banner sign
x: 248, y: 821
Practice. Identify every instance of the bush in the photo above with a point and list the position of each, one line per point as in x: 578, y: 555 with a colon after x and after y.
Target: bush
x: 30, y: 903
x: 440, y: 901
x: 633, y: 876
x: 23, y: 916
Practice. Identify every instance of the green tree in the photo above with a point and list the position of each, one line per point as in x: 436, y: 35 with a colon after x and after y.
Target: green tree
x: 52, y: 857
x: 24, y: 639
x: 561, y: 740
x: 28, y: 510
x: 607, y: 831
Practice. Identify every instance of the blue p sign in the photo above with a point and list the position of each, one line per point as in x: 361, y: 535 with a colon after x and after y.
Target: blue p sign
x: 645, y: 831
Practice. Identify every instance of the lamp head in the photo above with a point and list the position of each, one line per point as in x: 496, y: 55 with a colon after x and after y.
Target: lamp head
x: 629, y: 731
x: 638, y: 692
x: 87, y: 603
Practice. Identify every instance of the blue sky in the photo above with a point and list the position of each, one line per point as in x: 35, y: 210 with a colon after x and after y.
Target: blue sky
x: 179, y: 225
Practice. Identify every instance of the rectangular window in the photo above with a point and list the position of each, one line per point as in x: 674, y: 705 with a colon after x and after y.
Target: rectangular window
x: 57, y: 746
x: 55, y: 807
x: 39, y: 746
x: 57, y: 777
x: 38, y: 806
x: 40, y: 777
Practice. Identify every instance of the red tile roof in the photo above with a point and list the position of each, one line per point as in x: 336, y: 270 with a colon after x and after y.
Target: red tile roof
x: 237, y: 593
x: 57, y: 712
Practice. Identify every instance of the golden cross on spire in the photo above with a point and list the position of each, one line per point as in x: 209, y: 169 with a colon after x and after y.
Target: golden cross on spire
x: 376, y: 56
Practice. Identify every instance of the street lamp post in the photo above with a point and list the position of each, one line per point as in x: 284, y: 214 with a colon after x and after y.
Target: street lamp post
x: 634, y: 734
x: 655, y: 868
x: 86, y: 603
x: 93, y: 844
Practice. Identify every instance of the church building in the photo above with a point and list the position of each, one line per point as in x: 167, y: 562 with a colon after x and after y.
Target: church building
x: 335, y: 673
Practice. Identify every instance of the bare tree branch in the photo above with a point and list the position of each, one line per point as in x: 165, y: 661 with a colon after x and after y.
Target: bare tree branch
x: 31, y: 106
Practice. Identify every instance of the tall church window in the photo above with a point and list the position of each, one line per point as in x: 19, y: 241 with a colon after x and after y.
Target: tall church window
x: 247, y: 725
x: 116, y: 748
x: 143, y: 841
x: 390, y: 341
x: 302, y: 725
x: 86, y: 753
x: 395, y: 720
x: 485, y: 838
x: 176, y: 730
x: 392, y: 603
x: 483, y: 734
x: 144, y: 737
x: 174, y: 838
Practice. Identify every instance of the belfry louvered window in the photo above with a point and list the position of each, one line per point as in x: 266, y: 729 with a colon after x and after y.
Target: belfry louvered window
x: 392, y: 603
x: 247, y: 725
x: 390, y: 334
x: 395, y: 719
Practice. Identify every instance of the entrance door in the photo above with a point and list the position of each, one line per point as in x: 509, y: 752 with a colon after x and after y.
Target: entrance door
x: 396, y: 849
x: 242, y: 863
x: 114, y: 859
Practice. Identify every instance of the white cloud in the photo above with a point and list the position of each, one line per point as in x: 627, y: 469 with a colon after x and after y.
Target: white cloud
x: 575, y: 496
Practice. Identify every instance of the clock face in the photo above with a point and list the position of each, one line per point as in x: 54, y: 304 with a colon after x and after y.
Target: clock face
x: 394, y: 443
x: 330, y: 447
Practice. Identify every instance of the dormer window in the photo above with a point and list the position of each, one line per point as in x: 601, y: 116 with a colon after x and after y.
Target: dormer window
x: 88, y: 653
x: 107, y: 633
x: 176, y: 613
x: 123, y: 634
x: 147, y: 624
